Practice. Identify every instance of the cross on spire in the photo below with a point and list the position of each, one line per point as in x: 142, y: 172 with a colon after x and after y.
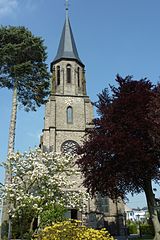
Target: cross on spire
x: 67, y: 7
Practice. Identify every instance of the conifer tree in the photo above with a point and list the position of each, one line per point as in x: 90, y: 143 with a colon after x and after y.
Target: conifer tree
x: 22, y: 70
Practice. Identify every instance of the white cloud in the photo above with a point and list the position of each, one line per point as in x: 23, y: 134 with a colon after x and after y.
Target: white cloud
x: 12, y: 7
x: 7, y: 7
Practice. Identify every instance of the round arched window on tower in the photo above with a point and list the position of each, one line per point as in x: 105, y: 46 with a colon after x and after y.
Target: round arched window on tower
x: 78, y: 76
x: 69, y: 114
x: 68, y: 73
x: 58, y: 75
x: 69, y: 146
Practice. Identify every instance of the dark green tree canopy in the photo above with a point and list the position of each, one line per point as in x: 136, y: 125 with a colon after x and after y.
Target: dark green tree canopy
x: 22, y: 65
x: 122, y: 152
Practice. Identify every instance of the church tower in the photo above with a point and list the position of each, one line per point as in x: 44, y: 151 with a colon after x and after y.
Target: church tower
x: 69, y: 110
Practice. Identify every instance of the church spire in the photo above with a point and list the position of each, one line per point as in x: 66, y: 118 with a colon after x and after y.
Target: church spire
x: 67, y: 47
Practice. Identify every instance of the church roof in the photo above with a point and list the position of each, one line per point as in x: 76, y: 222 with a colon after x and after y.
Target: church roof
x: 67, y: 47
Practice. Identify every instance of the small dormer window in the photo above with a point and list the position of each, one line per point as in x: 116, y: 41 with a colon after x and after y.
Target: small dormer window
x: 69, y: 115
x: 58, y: 75
x: 78, y: 76
x: 68, y: 73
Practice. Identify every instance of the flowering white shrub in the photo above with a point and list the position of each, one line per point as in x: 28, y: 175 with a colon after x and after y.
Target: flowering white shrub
x: 39, y: 179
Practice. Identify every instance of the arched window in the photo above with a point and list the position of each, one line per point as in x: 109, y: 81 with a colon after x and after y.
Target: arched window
x: 68, y: 73
x: 58, y: 75
x: 78, y: 76
x: 69, y: 115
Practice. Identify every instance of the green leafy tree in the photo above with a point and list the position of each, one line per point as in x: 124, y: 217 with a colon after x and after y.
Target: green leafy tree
x: 22, y: 70
x: 52, y: 213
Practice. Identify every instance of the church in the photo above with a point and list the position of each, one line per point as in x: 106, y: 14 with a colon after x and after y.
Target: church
x: 68, y: 113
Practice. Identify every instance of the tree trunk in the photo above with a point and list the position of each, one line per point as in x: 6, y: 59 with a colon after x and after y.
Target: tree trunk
x: 31, y: 226
x: 151, y: 208
x: 11, y: 141
x: 8, y: 175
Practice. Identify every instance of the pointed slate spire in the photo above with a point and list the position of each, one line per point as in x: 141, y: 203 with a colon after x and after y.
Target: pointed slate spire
x: 67, y: 47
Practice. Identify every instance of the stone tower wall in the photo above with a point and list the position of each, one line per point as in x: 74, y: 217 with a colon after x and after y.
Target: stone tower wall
x: 68, y: 91
x: 75, y: 88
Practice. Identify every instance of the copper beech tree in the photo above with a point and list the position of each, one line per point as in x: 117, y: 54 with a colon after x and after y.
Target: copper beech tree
x: 121, y: 154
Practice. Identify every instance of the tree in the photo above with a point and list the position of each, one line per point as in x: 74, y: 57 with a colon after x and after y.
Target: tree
x: 41, y: 182
x: 52, y: 215
x: 121, y: 154
x: 22, y: 70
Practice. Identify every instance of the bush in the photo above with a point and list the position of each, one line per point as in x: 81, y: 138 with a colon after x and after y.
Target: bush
x: 72, y: 230
x: 132, y: 228
x: 4, y: 230
x: 21, y: 223
x: 147, y: 229
x: 52, y: 214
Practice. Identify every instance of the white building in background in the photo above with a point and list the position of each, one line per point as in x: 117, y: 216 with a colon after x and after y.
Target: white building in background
x: 133, y: 214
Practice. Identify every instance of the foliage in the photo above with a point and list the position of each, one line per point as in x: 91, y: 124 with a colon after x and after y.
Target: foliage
x: 132, y: 228
x: 22, y: 65
x: 40, y: 182
x: 71, y: 231
x: 52, y: 214
x: 147, y: 229
x: 4, y: 230
x: 121, y: 153
x: 21, y: 222
x: 124, y: 141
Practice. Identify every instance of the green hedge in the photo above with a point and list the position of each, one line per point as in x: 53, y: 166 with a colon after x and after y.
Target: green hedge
x: 147, y: 229
x: 132, y: 228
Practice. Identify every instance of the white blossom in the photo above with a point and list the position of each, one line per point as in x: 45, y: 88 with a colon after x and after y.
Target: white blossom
x: 39, y: 179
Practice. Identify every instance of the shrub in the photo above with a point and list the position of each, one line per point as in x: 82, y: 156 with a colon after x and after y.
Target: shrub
x: 132, y: 228
x: 4, y: 230
x: 147, y: 229
x: 72, y: 230
x: 52, y: 214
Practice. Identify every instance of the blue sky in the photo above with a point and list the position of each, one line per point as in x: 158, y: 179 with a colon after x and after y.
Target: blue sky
x: 112, y: 36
